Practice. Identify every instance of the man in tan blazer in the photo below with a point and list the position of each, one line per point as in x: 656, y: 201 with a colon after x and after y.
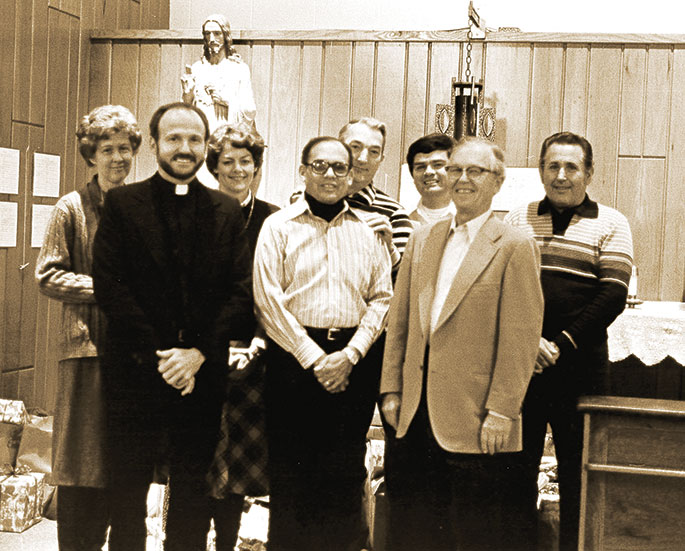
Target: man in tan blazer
x: 463, y: 333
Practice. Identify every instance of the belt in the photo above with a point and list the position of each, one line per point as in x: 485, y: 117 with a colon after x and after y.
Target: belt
x: 332, y: 334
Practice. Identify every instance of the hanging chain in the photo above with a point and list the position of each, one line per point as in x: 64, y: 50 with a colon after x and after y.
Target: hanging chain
x: 469, y: 47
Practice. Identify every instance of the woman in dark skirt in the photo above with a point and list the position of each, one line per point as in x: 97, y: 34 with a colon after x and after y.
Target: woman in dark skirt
x: 108, y: 139
x: 239, y: 468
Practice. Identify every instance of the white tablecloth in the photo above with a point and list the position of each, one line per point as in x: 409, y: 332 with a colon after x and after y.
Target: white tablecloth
x: 651, y: 331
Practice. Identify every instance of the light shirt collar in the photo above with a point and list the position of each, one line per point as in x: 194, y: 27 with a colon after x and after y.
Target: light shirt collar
x: 247, y: 199
x: 473, y: 226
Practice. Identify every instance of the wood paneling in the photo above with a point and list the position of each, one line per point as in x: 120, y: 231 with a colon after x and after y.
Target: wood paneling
x: 282, y: 132
x: 641, y: 200
x: 672, y: 272
x: 389, y: 107
x: 546, y: 96
x: 623, y: 93
x: 45, y: 87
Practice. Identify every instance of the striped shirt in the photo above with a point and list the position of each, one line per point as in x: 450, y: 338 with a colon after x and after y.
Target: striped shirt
x: 371, y: 199
x: 312, y: 273
x: 585, y: 268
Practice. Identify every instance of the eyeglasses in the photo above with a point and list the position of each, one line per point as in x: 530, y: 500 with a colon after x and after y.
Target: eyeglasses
x: 321, y: 167
x: 435, y: 165
x: 472, y: 172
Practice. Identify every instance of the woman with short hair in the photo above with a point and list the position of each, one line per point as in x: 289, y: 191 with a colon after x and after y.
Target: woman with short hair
x: 234, y: 157
x: 108, y: 139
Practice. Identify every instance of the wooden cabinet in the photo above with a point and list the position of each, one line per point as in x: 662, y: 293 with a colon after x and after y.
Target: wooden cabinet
x: 633, y: 478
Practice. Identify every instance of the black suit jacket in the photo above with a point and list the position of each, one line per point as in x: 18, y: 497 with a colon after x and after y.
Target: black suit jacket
x: 133, y: 278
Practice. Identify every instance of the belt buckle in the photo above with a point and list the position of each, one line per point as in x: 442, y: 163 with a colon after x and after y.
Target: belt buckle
x: 331, y: 334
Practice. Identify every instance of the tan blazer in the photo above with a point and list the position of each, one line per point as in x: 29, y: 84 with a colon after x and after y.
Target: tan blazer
x: 484, y: 346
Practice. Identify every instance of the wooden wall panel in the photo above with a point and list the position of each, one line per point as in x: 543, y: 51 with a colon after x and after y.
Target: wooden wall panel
x: 658, y: 95
x: 100, y: 75
x: 7, y: 55
x: 39, y: 61
x: 632, y: 101
x: 73, y: 167
x: 444, y: 64
x: 512, y: 98
x: 56, y: 136
x: 545, y: 98
x: 148, y: 100
x: 125, y: 57
x: 337, y: 85
x: 23, y: 46
x: 672, y: 274
x: 363, y: 79
x: 640, y: 199
x: 390, y: 98
x: 285, y: 92
x: 418, y: 118
x: 603, y: 126
x: 261, y: 86
x: 576, y: 77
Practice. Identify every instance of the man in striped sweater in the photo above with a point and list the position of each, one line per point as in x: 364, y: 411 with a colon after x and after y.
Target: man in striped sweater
x: 586, y: 264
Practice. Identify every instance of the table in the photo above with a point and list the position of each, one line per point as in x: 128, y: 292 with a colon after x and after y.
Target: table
x: 633, y: 478
x: 647, y: 351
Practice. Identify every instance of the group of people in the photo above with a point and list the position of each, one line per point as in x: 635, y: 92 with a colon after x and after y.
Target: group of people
x: 236, y: 349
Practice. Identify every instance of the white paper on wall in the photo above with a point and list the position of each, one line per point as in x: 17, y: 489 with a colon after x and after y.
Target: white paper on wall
x: 46, y: 175
x: 9, y: 171
x: 8, y: 224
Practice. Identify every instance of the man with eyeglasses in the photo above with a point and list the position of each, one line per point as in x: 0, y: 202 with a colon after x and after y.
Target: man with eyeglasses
x: 463, y: 332
x: 586, y: 264
x: 428, y: 158
x: 322, y: 288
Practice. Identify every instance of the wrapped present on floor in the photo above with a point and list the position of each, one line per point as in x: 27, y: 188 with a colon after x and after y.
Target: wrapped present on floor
x: 12, y: 418
x: 21, y: 500
x: 35, y: 448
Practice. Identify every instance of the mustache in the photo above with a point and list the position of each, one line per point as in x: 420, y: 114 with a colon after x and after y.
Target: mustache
x: 183, y: 157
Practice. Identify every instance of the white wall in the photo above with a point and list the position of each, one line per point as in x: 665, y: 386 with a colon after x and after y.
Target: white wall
x: 596, y: 16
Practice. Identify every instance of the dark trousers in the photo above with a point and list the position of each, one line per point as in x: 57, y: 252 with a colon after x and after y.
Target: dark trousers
x: 317, y: 443
x: 82, y: 518
x: 552, y: 398
x: 442, y: 501
x: 150, y: 424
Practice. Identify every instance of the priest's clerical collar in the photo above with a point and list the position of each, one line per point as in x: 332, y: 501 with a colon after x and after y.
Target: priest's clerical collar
x: 181, y: 185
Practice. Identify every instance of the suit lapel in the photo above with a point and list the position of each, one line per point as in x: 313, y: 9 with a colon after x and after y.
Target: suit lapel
x: 428, y: 265
x: 477, y: 258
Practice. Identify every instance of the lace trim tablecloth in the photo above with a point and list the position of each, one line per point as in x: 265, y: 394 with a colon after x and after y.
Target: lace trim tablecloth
x: 651, y: 331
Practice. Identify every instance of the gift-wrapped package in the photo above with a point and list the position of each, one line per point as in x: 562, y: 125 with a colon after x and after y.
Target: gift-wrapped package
x: 35, y: 448
x: 12, y: 419
x: 21, y: 500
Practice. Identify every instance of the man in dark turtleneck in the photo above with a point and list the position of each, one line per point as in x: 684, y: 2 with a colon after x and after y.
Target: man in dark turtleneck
x: 322, y: 288
x: 171, y: 271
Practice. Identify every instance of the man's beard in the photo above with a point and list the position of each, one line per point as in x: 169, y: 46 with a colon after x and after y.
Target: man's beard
x: 171, y: 172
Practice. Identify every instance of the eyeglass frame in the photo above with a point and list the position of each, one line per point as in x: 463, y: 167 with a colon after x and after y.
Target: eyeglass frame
x: 452, y: 169
x: 327, y: 166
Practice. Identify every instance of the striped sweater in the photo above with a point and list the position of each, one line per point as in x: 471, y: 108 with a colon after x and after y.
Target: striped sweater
x: 585, y: 269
